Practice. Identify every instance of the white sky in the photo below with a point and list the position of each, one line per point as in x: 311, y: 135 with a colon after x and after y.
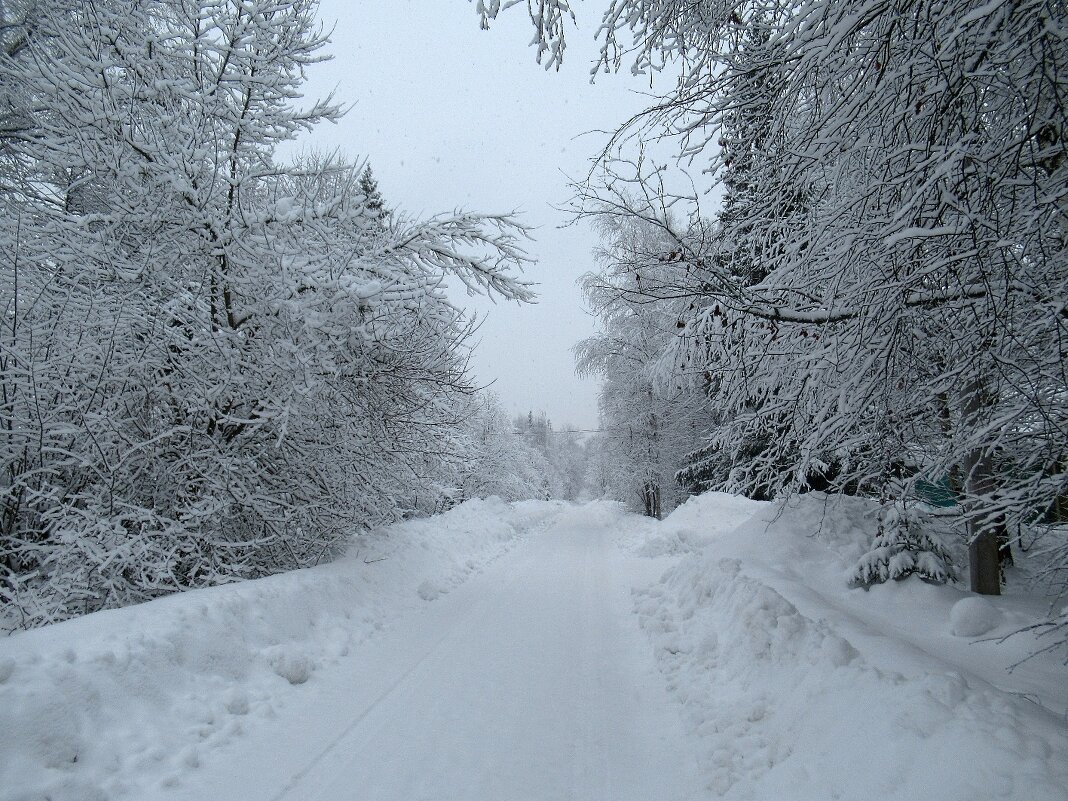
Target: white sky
x: 451, y: 116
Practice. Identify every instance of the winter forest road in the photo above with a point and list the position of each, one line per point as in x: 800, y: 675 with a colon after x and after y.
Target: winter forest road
x: 530, y: 682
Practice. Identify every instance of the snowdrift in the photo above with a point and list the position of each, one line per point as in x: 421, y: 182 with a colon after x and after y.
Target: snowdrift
x: 93, y: 706
x: 801, y: 688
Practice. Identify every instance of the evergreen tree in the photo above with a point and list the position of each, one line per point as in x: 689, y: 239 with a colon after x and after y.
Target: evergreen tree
x: 375, y: 205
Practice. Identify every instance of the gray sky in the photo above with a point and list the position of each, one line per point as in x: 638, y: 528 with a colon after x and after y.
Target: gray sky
x: 451, y: 116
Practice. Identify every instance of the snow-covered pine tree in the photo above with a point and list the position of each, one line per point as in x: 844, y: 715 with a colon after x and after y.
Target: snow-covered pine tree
x: 374, y: 202
x: 906, y: 544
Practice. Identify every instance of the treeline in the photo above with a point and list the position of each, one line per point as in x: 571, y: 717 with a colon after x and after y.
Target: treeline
x: 518, y: 459
x: 214, y: 363
x: 558, y: 456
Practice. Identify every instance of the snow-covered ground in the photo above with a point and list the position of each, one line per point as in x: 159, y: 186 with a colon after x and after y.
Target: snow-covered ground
x: 546, y: 651
x: 801, y: 688
x: 121, y: 703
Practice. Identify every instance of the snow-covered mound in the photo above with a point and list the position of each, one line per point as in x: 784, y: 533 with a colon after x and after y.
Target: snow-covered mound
x: 690, y: 527
x: 90, y: 705
x: 971, y: 617
x: 802, y: 688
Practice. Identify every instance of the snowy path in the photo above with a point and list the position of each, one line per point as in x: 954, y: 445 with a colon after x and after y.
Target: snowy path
x: 531, y: 681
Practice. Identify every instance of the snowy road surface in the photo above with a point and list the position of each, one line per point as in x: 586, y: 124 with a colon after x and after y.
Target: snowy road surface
x: 497, y: 652
x: 530, y: 681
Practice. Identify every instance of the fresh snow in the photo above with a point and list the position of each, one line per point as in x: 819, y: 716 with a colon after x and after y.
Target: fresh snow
x: 800, y: 688
x: 549, y: 651
x: 122, y: 703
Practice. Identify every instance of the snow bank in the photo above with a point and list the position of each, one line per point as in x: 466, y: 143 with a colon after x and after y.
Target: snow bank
x: 801, y: 688
x: 691, y: 526
x: 90, y: 705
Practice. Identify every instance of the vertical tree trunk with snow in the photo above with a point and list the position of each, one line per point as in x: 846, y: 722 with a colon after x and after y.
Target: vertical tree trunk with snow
x: 984, y: 570
x: 984, y: 567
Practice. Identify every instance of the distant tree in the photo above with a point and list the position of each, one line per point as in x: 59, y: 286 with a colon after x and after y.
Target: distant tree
x: 569, y: 458
x: 649, y: 421
x: 563, y: 456
x: 374, y: 202
x: 495, y: 460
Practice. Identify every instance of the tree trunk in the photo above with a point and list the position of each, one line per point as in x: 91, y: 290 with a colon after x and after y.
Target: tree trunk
x: 984, y: 560
x: 651, y: 498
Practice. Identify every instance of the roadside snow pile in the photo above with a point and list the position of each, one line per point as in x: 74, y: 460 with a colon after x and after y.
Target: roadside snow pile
x: 690, y: 527
x: 801, y: 688
x: 89, y: 706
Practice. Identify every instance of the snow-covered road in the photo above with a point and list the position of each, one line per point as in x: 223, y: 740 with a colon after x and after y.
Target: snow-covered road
x: 498, y: 652
x: 530, y: 681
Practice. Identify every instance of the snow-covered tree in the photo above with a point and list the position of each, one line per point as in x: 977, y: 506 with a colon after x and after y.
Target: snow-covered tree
x: 369, y: 186
x: 562, y: 455
x: 907, y: 313
x: 214, y: 364
x: 568, y: 459
x: 497, y: 461
x: 649, y: 422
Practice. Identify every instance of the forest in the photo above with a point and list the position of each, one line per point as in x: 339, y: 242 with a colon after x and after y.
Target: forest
x: 878, y: 306
x: 217, y: 361
x: 269, y: 531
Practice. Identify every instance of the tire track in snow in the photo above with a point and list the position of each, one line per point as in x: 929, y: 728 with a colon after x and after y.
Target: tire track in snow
x: 333, y: 744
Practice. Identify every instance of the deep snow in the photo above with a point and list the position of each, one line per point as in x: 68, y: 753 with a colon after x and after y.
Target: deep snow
x: 801, y: 688
x: 498, y: 652
x: 123, y: 702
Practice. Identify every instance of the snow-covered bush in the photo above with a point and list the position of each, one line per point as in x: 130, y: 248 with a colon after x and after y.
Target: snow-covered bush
x: 906, y: 545
x: 973, y: 617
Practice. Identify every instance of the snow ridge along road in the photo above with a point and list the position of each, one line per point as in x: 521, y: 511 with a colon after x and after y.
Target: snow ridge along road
x: 124, y: 703
x: 530, y: 682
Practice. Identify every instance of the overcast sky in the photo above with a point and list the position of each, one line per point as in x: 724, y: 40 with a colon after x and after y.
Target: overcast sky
x: 451, y: 116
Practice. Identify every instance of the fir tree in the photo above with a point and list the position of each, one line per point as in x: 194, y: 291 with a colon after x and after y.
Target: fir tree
x: 374, y: 203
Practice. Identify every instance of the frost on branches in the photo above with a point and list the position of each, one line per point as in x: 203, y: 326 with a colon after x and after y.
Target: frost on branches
x: 498, y: 461
x: 649, y: 421
x: 213, y: 364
